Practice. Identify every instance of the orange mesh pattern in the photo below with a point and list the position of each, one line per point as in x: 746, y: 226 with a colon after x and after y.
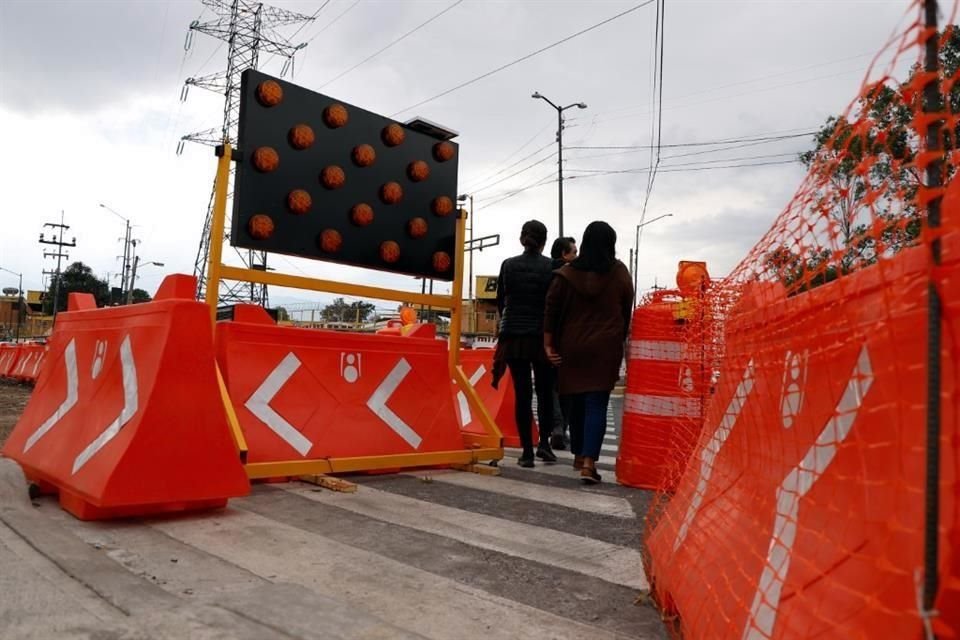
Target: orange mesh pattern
x: 800, y: 512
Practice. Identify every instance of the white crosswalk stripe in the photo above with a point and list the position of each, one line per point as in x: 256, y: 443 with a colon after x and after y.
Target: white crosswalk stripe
x: 426, y: 554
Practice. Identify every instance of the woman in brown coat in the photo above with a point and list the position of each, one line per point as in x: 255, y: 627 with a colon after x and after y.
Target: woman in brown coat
x: 586, y: 324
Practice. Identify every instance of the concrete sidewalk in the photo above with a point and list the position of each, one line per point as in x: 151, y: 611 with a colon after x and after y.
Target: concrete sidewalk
x: 290, y: 563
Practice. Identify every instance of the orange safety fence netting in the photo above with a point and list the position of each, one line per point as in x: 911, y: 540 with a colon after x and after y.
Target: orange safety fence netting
x: 798, y: 509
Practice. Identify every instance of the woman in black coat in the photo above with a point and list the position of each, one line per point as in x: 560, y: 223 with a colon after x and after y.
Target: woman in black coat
x: 521, y: 292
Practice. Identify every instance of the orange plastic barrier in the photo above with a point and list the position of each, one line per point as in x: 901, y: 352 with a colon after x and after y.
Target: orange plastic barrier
x: 126, y: 418
x: 500, y: 402
x: 668, y: 377
x: 359, y: 401
x: 801, y: 514
x: 8, y: 358
x: 27, y: 366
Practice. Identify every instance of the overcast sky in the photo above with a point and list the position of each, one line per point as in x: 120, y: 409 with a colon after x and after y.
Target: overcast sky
x: 90, y: 112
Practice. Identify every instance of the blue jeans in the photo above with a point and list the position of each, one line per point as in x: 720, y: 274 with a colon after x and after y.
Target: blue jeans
x: 588, y: 422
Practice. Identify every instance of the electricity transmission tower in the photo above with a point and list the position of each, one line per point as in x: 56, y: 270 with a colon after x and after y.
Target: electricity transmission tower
x: 248, y: 28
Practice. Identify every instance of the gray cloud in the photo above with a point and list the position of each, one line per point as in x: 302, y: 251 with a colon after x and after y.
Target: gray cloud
x: 732, y: 69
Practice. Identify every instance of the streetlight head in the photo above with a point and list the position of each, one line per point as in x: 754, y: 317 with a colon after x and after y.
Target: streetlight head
x: 582, y: 105
x: 158, y: 264
x: 536, y: 94
x: 463, y: 197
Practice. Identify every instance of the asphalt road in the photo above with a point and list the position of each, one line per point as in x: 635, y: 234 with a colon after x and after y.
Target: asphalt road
x: 428, y: 554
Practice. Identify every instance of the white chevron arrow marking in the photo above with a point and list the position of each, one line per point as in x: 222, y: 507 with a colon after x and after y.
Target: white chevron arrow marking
x: 131, y: 403
x: 36, y: 366
x: 22, y: 364
x: 5, y: 360
x: 378, y: 403
x: 465, y: 416
x: 796, y: 484
x: 70, y: 358
x: 712, y: 449
x: 259, y: 405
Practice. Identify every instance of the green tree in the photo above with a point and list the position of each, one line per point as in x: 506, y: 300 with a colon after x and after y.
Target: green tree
x: 867, y: 180
x: 282, y: 314
x: 139, y: 295
x: 342, y: 311
x: 77, y: 278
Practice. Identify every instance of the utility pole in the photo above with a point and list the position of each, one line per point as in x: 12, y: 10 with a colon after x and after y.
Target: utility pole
x: 247, y: 27
x: 127, y: 253
x: 56, y: 240
x: 580, y: 105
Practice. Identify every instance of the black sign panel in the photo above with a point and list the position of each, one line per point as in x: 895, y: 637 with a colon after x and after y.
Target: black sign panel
x: 323, y: 179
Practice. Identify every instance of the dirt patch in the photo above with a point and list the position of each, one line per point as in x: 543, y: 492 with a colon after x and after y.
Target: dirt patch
x: 13, y: 398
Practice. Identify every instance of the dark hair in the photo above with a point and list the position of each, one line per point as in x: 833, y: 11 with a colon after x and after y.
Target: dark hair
x: 561, y: 246
x: 533, y: 235
x: 598, y: 251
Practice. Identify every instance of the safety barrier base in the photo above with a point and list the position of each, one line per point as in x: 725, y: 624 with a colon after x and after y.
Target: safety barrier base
x: 333, y: 466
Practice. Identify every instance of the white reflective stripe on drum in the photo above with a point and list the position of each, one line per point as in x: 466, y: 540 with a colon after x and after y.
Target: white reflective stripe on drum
x: 656, y: 350
x: 664, y: 406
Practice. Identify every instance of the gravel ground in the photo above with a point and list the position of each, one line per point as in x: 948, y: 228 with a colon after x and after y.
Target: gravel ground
x: 13, y: 398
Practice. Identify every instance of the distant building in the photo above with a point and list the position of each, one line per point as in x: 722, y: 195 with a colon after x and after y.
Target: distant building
x: 32, y: 322
x: 480, y: 314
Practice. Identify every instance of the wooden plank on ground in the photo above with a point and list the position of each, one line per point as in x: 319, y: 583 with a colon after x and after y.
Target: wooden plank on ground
x: 329, y: 482
x: 482, y: 469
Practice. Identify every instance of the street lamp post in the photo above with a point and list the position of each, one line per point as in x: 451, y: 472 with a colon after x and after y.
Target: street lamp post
x: 636, y: 248
x: 580, y: 105
x: 133, y: 276
x: 125, y: 271
x: 19, y: 299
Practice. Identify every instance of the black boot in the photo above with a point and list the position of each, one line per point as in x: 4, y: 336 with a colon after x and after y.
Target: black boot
x: 545, y: 453
x: 526, y: 459
x: 556, y: 441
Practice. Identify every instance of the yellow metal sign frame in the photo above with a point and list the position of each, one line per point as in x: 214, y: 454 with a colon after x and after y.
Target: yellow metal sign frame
x: 477, y: 447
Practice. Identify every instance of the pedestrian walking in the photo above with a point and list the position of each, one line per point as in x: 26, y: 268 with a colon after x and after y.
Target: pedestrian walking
x: 586, y: 324
x: 521, y: 293
x: 563, y: 251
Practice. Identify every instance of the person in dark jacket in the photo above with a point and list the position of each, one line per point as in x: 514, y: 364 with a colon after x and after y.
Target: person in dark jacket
x: 521, y: 292
x: 563, y: 251
x: 586, y: 324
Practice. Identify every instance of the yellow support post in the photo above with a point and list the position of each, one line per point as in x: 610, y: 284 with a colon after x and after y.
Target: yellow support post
x: 330, y: 286
x: 232, y: 420
x: 216, y: 230
x: 494, y: 437
x: 456, y: 295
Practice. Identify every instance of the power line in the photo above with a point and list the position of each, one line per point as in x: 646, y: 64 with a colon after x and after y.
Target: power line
x: 704, y: 143
x: 548, y: 179
x: 510, y: 166
x: 396, y: 41
x: 689, y: 164
x: 677, y: 103
x: 523, y: 58
x: 511, y: 155
x: 301, y: 27
x: 545, y: 180
x: 656, y: 124
x: 747, y: 81
x: 515, y: 173
x: 680, y: 169
x: 315, y: 14
x: 334, y: 21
